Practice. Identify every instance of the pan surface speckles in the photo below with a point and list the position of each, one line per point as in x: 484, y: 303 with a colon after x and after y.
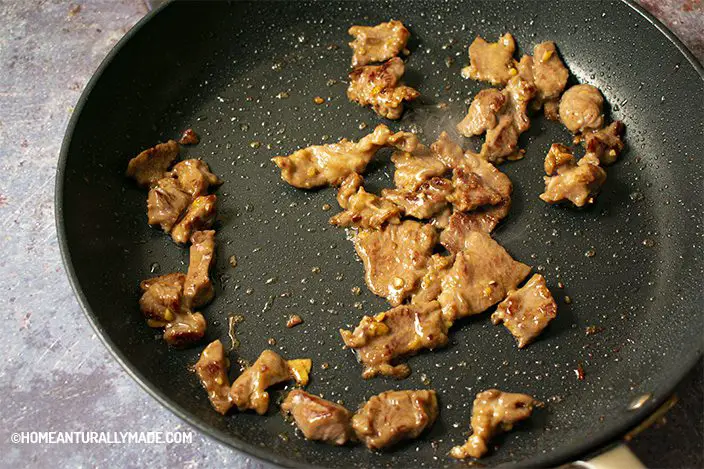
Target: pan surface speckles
x: 244, y: 76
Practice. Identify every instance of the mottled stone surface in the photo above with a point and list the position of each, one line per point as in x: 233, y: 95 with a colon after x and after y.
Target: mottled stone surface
x: 55, y: 373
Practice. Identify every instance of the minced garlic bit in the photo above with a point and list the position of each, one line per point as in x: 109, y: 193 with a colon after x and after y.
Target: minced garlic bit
x: 546, y: 56
x: 513, y: 72
x: 318, y: 100
x: 300, y: 370
x: 168, y: 315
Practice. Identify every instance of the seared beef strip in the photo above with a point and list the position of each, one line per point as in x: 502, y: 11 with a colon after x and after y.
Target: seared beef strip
x: 483, y: 113
x: 579, y: 183
x: 377, y: 43
x: 394, y: 416
x: 185, y: 329
x: 194, y: 177
x: 161, y: 298
x: 379, y: 341
x: 582, y: 109
x: 318, y: 418
x: 461, y: 224
x: 471, y: 191
x: 363, y: 209
x: 430, y: 284
x: 150, y: 165
x: 549, y: 76
x: 606, y: 143
x: 200, y: 215
x: 211, y: 369
x: 414, y: 168
x: 322, y: 165
x: 491, y: 61
x: 165, y: 203
x: 493, y: 411
x: 430, y: 198
x: 527, y: 311
x: 395, y: 257
x: 379, y: 87
x: 482, y: 275
x: 447, y: 151
x: 198, y: 288
x: 249, y: 389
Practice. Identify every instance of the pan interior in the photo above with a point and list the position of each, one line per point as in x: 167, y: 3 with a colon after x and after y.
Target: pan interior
x: 244, y: 76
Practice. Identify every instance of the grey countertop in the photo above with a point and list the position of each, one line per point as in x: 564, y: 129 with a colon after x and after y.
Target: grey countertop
x: 56, y: 374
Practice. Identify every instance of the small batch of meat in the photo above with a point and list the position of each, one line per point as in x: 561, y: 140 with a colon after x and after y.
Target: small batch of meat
x: 380, y: 86
x: 536, y: 82
x: 179, y: 203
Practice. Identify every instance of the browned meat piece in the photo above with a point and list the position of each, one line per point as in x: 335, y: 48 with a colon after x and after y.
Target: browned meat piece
x: 471, y: 191
x: 199, y: 216
x: 431, y: 283
x: 211, y: 369
x: 549, y: 75
x: 482, y: 114
x: 492, y: 61
x: 379, y: 87
x: 194, y: 177
x: 161, y: 298
x: 363, y: 209
x: 150, y: 165
x: 379, y: 341
x: 395, y: 257
x: 606, y: 143
x: 447, y: 151
x: 461, y: 224
x: 198, y: 288
x: 482, y: 275
x: 527, y: 311
x: 442, y: 219
x: 165, y: 203
x: 319, y: 419
x: 579, y: 183
x: 377, y: 43
x: 185, y: 329
x: 413, y: 169
x: 394, y: 416
x: 249, y: 389
x: 552, y: 110
x: 189, y: 137
x: 493, y: 411
x: 582, y: 109
x: 430, y: 198
x: 322, y: 165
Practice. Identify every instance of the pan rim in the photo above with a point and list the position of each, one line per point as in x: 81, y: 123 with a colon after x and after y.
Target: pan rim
x: 564, y: 454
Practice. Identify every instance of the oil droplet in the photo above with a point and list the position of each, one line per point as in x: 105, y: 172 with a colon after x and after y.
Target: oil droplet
x: 282, y: 95
x: 154, y: 267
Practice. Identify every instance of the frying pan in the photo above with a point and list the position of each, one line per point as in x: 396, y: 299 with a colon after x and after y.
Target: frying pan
x: 631, y: 264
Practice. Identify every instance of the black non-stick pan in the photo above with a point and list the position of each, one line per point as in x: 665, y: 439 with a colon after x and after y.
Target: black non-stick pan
x: 245, y: 75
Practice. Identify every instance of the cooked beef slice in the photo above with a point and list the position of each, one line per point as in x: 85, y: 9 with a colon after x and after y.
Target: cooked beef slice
x: 194, y: 177
x: 447, y: 151
x: 393, y: 416
x: 377, y: 43
x: 566, y: 180
x: 470, y: 191
x: 492, y: 61
x: 211, y: 369
x: 549, y: 75
x: 161, y: 298
x: 150, y: 165
x: 582, y: 109
x: 606, y: 143
x: 395, y: 258
x: 318, y: 418
x: 249, y: 389
x: 429, y: 199
x: 363, y: 209
x: 481, y: 276
x: 379, y: 87
x: 527, y: 311
x: 165, y: 203
x: 461, y: 224
x: 415, y: 168
x: 198, y: 288
x: 493, y: 411
x: 483, y: 113
x: 185, y: 329
x: 431, y: 283
x: 380, y: 341
x: 322, y: 165
x: 200, y: 215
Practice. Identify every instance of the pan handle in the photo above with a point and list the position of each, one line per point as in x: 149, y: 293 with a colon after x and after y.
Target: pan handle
x: 618, y: 457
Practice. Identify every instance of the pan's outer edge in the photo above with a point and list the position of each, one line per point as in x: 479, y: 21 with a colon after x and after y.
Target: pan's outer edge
x: 565, y: 455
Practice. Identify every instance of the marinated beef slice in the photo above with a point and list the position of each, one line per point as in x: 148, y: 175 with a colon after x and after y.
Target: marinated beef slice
x: 377, y: 43
x: 380, y: 87
x: 151, y: 164
x: 491, y: 61
x: 211, y: 369
x: 249, y: 389
x: 198, y: 288
x: 319, y: 419
x: 582, y: 109
x: 578, y: 183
